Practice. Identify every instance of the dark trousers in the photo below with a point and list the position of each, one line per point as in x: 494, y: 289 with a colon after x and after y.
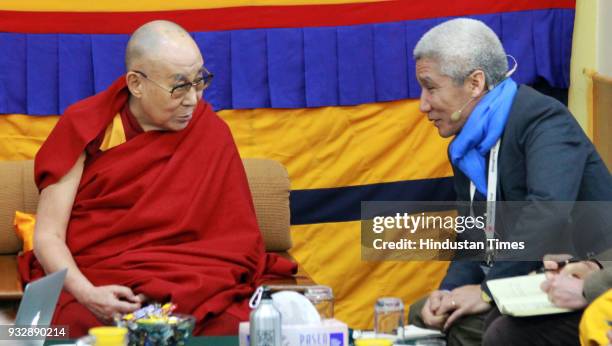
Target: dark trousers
x: 466, y: 331
x: 553, y: 330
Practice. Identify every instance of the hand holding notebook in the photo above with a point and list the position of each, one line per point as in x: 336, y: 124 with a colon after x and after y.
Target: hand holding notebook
x: 522, y: 296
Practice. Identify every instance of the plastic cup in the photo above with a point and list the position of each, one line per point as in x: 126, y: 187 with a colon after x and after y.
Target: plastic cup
x: 109, y: 336
x: 373, y: 342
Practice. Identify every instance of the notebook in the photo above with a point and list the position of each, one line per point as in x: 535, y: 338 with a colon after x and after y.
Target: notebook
x: 522, y: 296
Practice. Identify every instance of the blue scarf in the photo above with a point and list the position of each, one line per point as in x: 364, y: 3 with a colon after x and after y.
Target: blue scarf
x: 484, y: 127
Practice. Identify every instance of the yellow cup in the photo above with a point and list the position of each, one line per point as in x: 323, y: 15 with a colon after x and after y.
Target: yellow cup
x: 373, y: 342
x: 109, y: 336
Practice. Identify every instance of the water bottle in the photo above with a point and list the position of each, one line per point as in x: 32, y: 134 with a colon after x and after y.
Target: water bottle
x: 265, y: 321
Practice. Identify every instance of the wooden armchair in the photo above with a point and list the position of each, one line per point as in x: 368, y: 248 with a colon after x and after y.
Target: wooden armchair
x: 268, y: 180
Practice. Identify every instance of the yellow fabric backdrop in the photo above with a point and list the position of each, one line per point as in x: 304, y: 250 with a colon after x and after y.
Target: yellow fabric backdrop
x: 22, y: 135
x: 321, y: 148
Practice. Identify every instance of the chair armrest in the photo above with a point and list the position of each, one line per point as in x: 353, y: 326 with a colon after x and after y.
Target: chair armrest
x: 10, y: 283
x: 301, y: 278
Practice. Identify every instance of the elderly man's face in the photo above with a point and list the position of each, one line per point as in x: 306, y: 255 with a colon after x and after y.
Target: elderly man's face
x: 173, y: 68
x: 441, y: 97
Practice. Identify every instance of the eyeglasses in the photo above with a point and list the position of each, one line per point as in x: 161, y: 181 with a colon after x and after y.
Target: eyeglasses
x: 179, y: 91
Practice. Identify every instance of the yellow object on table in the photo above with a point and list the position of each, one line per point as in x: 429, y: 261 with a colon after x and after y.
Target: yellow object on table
x: 594, y: 323
x: 373, y: 342
x: 109, y: 336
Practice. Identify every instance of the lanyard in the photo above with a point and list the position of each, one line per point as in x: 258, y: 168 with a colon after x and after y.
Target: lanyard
x: 491, y: 198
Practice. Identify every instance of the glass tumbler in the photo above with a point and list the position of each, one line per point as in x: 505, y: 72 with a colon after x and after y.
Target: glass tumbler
x: 389, y: 316
x: 322, y: 298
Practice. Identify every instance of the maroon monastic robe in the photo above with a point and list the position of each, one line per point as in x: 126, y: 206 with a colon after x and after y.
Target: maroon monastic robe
x: 168, y: 214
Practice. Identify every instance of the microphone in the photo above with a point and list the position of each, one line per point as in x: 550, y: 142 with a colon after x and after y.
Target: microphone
x: 456, y: 115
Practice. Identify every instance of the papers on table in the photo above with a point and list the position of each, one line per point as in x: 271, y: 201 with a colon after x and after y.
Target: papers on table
x: 411, y: 332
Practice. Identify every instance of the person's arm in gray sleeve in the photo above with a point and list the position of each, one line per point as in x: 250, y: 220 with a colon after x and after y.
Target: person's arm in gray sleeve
x: 597, y: 283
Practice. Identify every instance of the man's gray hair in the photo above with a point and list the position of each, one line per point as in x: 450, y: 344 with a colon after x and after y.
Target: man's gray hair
x: 461, y: 46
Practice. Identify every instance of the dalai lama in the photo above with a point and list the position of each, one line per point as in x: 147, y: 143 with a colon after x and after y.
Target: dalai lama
x: 143, y: 197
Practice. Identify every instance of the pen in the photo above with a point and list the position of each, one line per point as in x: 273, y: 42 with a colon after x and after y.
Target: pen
x: 561, y: 264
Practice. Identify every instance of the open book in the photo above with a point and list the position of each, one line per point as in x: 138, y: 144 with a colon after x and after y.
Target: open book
x: 521, y: 296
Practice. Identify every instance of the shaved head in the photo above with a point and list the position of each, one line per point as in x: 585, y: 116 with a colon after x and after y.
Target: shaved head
x: 164, y: 76
x: 149, y: 43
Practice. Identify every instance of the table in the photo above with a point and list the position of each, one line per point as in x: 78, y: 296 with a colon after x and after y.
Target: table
x: 195, y: 341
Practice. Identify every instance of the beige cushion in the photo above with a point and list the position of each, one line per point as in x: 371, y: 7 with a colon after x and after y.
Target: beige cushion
x: 268, y: 181
x: 17, y: 192
x: 10, y: 284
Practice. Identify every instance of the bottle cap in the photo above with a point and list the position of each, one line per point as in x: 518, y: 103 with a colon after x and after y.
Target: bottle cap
x: 262, y: 292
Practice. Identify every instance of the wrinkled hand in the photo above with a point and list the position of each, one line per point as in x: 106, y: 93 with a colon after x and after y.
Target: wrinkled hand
x: 106, y: 301
x: 565, y: 291
x: 467, y: 301
x: 447, y: 305
x: 430, y: 314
